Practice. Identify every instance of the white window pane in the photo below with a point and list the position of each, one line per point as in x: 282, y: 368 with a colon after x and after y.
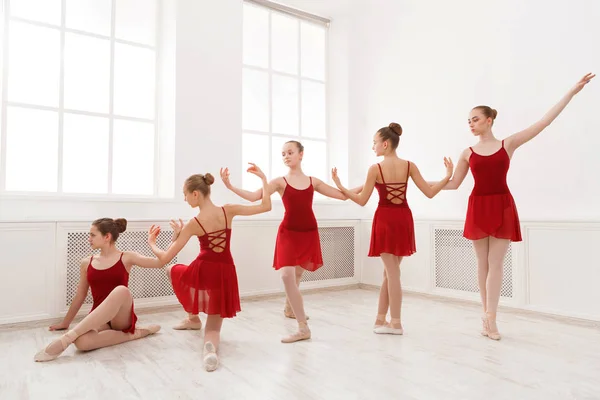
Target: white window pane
x: 133, y: 158
x: 87, y: 73
x: 85, y: 154
x: 278, y: 168
x: 255, y: 103
x: 134, y: 81
x: 31, y: 150
x: 284, y: 43
x: 313, y: 109
x: 255, y: 149
x: 314, y: 162
x: 285, y: 105
x: 34, y: 64
x: 135, y: 21
x: 256, y: 36
x: 89, y: 15
x: 48, y: 11
x: 312, y: 54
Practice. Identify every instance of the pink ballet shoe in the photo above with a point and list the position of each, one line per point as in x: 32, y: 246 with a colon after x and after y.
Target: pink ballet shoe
x: 380, y: 321
x: 289, y: 313
x: 143, y: 331
x: 188, y: 324
x: 65, y: 341
x: 302, y: 334
x: 211, y: 360
x: 491, y: 321
x: 484, y: 323
x: 388, y: 329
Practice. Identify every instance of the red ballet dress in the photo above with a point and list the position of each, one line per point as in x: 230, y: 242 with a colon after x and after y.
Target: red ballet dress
x: 103, y: 281
x: 298, y: 241
x: 393, y: 228
x: 492, y: 210
x: 209, y: 284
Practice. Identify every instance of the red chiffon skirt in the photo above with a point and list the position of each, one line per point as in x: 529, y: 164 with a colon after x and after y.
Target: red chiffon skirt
x: 301, y: 248
x: 393, y: 232
x: 207, y: 286
x: 492, y: 215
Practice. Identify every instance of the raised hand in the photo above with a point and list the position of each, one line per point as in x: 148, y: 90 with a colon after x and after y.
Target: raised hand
x: 336, y: 178
x: 254, y: 169
x: 449, y: 166
x: 177, y: 226
x: 225, y: 177
x: 153, y: 233
x: 582, y: 82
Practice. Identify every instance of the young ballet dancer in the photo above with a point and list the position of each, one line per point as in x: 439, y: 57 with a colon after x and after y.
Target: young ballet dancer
x: 492, y: 221
x: 112, y: 319
x: 209, y: 284
x: 297, y: 246
x: 392, y: 233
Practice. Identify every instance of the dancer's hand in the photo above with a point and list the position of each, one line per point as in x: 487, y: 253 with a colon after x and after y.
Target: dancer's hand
x: 336, y: 178
x: 225, y: 177
x: 449, y: 167
x: 153, y: 233
x: 582, y: 82
x: 177, y: 226
x: 254, y: 169
x: 59, y: 327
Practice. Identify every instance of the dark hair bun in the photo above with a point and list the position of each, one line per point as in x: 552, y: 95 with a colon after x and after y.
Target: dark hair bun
x: 121, y: 224
x: 396, y: 128
x: 209, y: 179
x: 494, y: 113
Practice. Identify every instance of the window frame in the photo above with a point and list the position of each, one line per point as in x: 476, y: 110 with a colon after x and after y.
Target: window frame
x: 59, y: 194
x: 301, y: 17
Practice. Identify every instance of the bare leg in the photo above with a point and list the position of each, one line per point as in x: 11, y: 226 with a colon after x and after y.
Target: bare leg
x: 192, y: 322
x: 384, y: 302
x: 481, y: 248
x: 288, y: 308
x: 288, y: 275
x: 392, y: 270
x: 497, y: 252
x: 212, y: 339
x: 116, y: 309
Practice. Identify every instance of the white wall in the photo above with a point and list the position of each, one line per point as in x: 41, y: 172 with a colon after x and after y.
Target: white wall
x: 426, y: 63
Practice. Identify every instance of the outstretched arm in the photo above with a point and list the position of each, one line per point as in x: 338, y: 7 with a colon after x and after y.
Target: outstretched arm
x: 327, y: 190
x: 431, y: 190
x: 246, y: 194
x: 459, y: 173
x: 265, y: 205
x: 164, y: 256
x: 513, y: 142
x: 133, y: 258
x: 361, y: 198
x: 77, y: 302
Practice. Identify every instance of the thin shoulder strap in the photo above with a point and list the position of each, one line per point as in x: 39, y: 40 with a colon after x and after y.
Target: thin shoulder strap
x: 408, y: 171
x: 286, y: 182
x: 200, y: 224
x: 121, y: 258
x: 310, y: 177
x: 225, y: 214
x: 502, y: 143
x: 91, y: 259
x: 381, y: 172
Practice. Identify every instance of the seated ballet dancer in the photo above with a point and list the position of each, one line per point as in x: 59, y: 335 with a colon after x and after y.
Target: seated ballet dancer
x: 112, y: 319
x: 209, y: 284
x: 393, y: 231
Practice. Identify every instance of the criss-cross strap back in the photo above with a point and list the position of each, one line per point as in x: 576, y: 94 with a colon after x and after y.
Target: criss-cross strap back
x: 395, y: 193
x: 216, y: 240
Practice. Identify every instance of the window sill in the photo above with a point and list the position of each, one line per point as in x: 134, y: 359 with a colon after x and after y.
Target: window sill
x: 84, y: 198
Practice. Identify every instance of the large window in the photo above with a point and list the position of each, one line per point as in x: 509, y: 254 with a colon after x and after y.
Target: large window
x: 284, y: 90
x: 79, y: 97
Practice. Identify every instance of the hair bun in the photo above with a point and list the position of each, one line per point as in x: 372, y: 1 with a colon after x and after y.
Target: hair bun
x: 494, y: 113
x: 396, y: 128
x: 209, y: 179
x: 121, y: 224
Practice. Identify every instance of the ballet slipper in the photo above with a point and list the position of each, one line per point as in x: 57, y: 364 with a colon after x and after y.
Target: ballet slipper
x: 491, y: 321
x: 302, y: 334
x: 485, y: 328
x: 211, y: 360
x: 380, y: 321
x: 289, y: 313
x: 65, y: 341
x: 188, y: 324
x: 389, y: 329
x: 142, y: 332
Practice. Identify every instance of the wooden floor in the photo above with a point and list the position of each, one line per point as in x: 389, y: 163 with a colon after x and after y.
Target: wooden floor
x: 441, y: 356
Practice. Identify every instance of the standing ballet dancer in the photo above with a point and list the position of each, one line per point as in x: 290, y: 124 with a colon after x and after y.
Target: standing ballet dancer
x: 297, y: 246
x: 492, y: 220
x: 112, y: 319
x: 392, y: 233
x: 209, y: 284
